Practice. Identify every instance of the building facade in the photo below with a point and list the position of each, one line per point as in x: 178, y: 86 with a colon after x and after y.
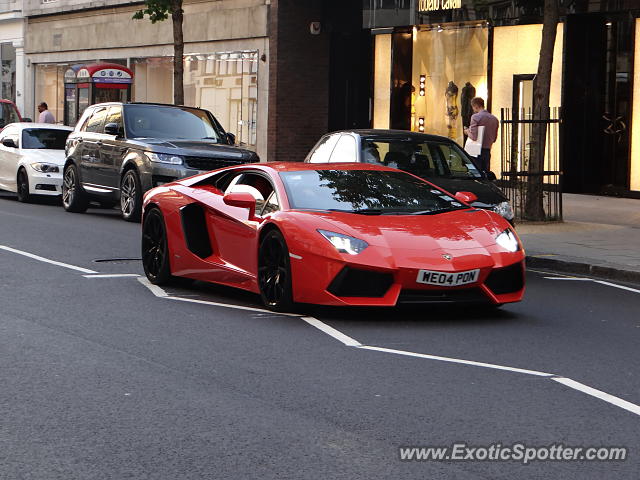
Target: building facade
x: 432, y: 56
x: 276, y: 73
x: 226, y: 66
x: 12, y: 77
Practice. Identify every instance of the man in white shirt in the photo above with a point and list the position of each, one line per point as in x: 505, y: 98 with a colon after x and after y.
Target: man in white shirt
x: 45, y: 115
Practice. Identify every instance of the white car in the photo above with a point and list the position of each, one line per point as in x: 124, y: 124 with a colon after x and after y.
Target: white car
x: 32, y: 158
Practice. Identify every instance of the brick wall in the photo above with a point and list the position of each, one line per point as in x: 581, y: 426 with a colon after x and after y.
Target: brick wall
x: 298, y: 79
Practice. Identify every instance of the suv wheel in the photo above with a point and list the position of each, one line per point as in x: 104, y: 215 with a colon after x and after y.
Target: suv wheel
x: 74, y: 198
x: 131, y: 196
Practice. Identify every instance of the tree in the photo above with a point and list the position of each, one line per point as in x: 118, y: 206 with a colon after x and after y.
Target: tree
x: 534, y: 209
x: 158, y: 11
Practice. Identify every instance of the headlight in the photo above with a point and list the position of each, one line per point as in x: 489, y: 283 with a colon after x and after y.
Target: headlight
x: 508, y: 241
x: 45, y: 167
x: 505, y: 210
x: 344, y: 243
x: 164, y: 158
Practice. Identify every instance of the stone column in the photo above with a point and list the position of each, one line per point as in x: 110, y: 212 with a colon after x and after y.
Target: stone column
x: 20, y: 78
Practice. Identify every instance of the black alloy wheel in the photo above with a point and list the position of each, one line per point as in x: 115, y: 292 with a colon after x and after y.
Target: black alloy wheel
x: 155, y: 251
x: 274, y: 272
x: 74, y: 198
x: 131, y: 196
x: 23, y: 186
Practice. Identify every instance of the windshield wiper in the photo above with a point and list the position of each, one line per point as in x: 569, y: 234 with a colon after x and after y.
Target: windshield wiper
x: 437, y: 210
x: 360, y: 211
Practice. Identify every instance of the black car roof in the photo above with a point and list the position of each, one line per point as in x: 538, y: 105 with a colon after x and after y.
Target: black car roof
x: 379, y: 133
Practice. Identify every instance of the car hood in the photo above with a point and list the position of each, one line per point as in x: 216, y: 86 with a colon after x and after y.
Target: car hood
x: 487, y: 192
x: 456, y: 230
x: 196, y: 148
x: 56, y: 157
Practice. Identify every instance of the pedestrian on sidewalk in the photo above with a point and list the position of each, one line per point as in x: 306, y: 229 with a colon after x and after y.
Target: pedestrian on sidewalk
x: 482, y: 118
x: 45, y: 115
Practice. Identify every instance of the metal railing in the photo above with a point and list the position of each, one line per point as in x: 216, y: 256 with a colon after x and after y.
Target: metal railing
x: 516, y: 179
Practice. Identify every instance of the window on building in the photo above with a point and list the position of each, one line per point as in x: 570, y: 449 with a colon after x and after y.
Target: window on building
x: 226, y: 84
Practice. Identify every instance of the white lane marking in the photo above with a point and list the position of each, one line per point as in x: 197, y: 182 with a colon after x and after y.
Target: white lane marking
x: 601, y: 282
x: 46, y: 260
x: 618, y: 402
x: 160, y: 292
x: 293, y: 255
x: 351, y: 342
x: 622, y: 287
x: 341, y: 337
x: 458, y: 360
x: 112, y: 275
x: 155, y: 289
x: 229, y: 305
x: 579, y: 279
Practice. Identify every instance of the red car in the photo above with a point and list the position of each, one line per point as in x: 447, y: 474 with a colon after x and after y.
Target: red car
x: 330, y: 234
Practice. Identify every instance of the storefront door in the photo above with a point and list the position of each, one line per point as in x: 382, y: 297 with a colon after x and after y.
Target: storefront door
x: 596, y: 103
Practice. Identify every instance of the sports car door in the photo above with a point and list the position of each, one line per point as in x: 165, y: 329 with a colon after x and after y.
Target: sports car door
x: 236, y: 234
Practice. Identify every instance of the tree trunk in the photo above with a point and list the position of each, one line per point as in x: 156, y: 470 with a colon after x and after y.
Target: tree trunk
x: 534, y: 209
x: 178, y: 53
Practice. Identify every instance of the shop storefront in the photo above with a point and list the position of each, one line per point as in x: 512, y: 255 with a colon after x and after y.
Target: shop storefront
x: 222, y: 65
x: 432, y: 56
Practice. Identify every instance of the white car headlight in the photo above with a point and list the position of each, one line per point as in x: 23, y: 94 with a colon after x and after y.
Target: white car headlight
x: 508, y: 241
x: 45, y: 167
x: 504, y: 209
x: 344, y: 243
x: 164, y: 158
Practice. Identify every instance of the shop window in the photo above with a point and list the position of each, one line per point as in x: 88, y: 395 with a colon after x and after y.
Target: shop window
x: 49, y: 83
x: 226, y: 85
x: 153, y: 79
x: 449, y: 69
x: 8, y: 55
x: 382, y: 81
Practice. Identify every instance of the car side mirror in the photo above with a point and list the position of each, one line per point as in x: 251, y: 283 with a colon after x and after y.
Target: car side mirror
x: 490, y: 176
x: 8, y: 142
x: 27, y: 119
x: 112, y: 129
x: 241, y: 200
x: 231, y: 138
x: 466, y: 197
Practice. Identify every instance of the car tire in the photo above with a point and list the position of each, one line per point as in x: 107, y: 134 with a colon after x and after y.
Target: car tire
x: 155, y: 248
x: 23, y: 186
x: 274, y: 272
x: 131, y: 196
x: 74, y: 198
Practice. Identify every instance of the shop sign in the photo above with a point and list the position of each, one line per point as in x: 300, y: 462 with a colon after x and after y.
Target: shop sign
x: 435, y: 5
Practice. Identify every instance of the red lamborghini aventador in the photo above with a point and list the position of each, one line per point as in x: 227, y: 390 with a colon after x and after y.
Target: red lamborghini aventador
x: 331, y: 234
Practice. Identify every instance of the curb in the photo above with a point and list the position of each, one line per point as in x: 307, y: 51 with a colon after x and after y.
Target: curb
x: 586, y: 269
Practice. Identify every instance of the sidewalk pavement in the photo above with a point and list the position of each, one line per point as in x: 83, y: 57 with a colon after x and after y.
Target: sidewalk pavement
x: 600, y: 236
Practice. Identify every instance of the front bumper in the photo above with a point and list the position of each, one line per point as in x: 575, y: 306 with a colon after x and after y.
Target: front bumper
x: 324, y: 281
x: 45, y: 183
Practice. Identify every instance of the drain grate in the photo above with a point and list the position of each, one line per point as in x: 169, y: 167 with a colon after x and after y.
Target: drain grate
x: 117, y: 260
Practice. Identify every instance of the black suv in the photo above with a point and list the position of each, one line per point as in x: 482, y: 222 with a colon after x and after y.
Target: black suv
x: 119, y: 151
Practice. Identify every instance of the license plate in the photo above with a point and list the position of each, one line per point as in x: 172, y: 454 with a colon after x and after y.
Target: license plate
x: 445, y: 279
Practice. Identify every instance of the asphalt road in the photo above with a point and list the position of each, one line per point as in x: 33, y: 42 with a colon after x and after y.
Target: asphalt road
x: 105, y: 378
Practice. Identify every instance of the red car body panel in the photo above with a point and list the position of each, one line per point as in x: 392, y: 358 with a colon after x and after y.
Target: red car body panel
x: 400, y: 245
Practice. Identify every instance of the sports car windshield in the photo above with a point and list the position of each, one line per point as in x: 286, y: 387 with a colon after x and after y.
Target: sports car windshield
x: 369, y: 192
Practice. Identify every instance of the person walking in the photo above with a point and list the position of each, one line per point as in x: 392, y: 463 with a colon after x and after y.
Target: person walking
x: 45, y: 115
x: 482, y: 118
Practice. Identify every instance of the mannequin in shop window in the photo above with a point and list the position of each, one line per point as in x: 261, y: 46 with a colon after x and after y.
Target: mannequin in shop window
x: 451, y: 96
x: 468, y: 93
